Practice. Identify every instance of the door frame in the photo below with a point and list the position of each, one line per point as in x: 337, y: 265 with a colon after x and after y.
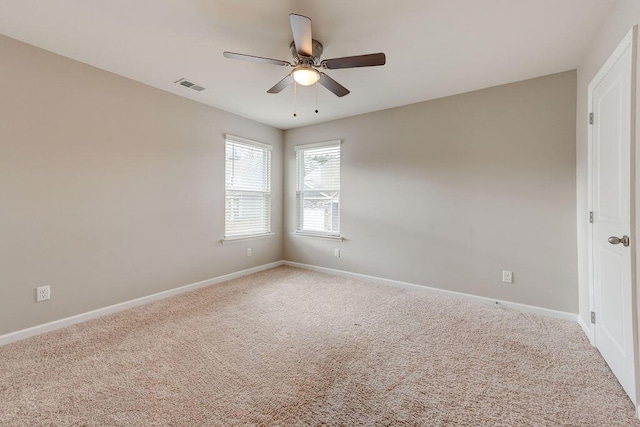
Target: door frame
x: 629, y: 41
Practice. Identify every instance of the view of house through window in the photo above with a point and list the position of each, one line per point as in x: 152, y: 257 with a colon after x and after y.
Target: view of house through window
x: 318, y: 188
x: 248, y: 188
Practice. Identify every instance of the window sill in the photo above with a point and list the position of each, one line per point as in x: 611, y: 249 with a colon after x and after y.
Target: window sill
x: 318, y: 236
x: 228, y: 240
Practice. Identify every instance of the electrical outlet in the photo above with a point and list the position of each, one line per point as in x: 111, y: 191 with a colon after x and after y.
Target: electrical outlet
x: 336, y: 253
x: 248, y: 251
x: 507, y: 276
x: 43, y: 293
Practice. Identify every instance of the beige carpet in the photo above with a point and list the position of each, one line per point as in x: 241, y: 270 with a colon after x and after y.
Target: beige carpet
x: 291, y: 347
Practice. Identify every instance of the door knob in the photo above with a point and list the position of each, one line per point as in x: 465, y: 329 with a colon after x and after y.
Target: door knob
x: 617, y: 240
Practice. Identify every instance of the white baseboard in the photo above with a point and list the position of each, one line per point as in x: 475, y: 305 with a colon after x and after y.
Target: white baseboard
x: 586, y: 328
x: 512, y: 305
x: 83, y: 317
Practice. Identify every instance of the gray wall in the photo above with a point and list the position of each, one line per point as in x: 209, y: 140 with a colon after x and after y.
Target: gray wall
x: 448, y: 193
x: 624, y: 15
x: 110, y: 190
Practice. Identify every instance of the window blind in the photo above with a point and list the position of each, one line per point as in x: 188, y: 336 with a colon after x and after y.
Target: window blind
x: 247, y: 187
x: 318, y: 188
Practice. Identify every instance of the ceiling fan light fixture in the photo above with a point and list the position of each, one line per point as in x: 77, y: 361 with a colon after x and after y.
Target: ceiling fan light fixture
x: 305, y: 76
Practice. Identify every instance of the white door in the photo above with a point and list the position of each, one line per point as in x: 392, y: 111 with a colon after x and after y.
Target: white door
x: 611, y: 186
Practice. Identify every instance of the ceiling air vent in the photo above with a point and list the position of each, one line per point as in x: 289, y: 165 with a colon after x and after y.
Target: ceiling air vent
x: 190, y: 85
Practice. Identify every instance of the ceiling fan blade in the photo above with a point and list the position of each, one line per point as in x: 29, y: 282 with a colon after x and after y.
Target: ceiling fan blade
x: 301, y: 29
x: 259, y: 59
x: 333, y: 85
x: 369, y: 60
x: 281, y: 85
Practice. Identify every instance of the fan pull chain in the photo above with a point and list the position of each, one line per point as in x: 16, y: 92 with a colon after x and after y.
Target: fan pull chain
x: 295, y: 98
x: 316, y: 98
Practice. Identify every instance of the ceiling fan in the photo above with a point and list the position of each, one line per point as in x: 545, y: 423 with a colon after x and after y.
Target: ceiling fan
x: 306, y: 53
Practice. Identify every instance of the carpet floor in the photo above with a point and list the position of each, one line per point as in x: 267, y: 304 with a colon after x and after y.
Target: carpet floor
x: 291, y: 347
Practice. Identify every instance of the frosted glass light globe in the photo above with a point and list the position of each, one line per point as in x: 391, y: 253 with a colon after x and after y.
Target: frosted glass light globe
x: 305, y: 76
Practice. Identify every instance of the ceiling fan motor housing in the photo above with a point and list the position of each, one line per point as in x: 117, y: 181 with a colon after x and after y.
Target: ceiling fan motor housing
x: 316, y: 49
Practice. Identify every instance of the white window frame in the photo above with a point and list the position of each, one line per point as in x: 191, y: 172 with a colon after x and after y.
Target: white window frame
x: 299, y: 184
x: 268, y: 151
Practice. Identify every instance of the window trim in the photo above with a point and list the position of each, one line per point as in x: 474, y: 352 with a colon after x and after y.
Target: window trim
x: 319, y: 236
x: 241, y: 140
x: 309, y: 233
x: 228, y: 240
x: 269, y: 149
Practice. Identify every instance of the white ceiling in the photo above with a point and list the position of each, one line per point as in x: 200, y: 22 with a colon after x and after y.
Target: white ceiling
x: 434, y: 48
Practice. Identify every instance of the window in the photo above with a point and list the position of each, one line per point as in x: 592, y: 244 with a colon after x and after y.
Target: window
x: 318, y: 189
x: 248, y: 188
